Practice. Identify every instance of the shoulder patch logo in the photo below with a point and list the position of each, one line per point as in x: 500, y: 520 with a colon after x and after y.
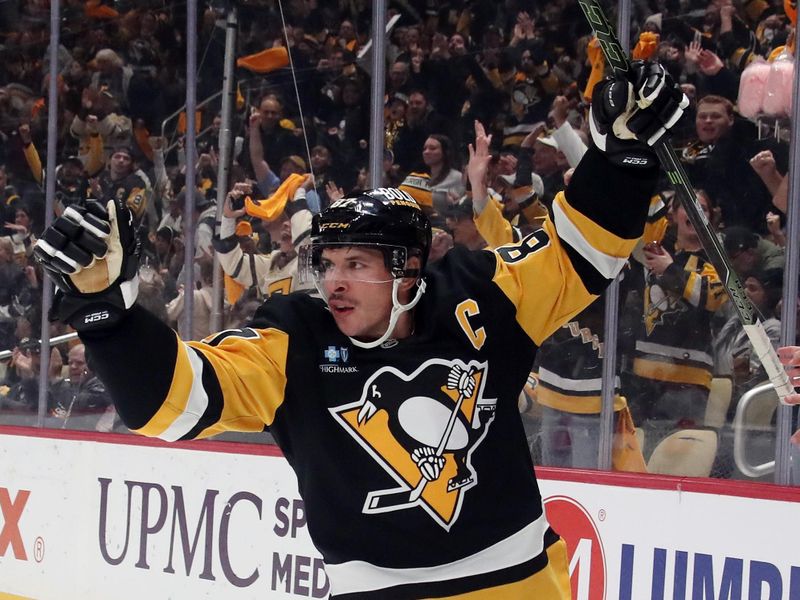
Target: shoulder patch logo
x: 334, y: 354
x: 336, y: 358
x: 422, y: 428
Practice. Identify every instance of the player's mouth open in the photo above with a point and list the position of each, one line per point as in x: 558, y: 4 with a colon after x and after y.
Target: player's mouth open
x: 341, y: 308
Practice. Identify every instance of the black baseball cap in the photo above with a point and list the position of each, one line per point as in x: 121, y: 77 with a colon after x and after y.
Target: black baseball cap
x: 738, y: 238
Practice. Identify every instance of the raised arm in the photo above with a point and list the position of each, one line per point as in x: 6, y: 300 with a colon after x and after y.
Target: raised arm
x: 555, y: 272
x: 260, y: 165
x: 191, y: 389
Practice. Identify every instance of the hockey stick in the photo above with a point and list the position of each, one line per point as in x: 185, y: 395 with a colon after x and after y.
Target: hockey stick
x: 748, y: 314
x: 396, y: 499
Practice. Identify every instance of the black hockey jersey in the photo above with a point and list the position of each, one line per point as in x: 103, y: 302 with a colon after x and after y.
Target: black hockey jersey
x: 411, y: 457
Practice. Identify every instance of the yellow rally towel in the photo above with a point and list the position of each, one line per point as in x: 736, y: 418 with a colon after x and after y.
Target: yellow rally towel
x: 595, y: 55
x: 198, y: 122
x: 626, y: 454
x: 233, y: 289
x: 271, y: 208
x: 646, y: 46
x: 265, y: 61
x: 93, y: 9
x: 753, y: 9
x: 790, y: 8
x: 142, y: 135
x: 38, y: 106
x: 239, y: 98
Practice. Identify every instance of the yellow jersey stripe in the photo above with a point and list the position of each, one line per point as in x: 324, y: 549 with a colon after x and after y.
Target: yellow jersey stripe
x: 598, y: 238
x: 196, y: 404
x: 252, y: 377
x: 552, y: 582
x: 178, y: 397
x: 357, y: 576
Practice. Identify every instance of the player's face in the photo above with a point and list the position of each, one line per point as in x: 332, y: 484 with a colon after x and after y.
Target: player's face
x: 358, y: 287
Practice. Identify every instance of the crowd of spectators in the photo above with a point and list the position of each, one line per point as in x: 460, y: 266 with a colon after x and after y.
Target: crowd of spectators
x: 524, y: 69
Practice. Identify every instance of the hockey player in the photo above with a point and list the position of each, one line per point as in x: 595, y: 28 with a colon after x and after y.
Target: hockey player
x: 394, y: 396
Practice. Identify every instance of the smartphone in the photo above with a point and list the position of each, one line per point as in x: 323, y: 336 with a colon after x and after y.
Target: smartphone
x: 147, y: 273
x: 237, y: 203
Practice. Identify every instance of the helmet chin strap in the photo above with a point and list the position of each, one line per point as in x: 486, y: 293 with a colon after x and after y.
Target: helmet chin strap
x: 397, y: 310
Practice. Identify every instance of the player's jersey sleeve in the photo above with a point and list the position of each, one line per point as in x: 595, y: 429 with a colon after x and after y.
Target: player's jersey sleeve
x: 555, y: 272
x: 233, y: 381
x: 493, y: 226
x: 246, y: 367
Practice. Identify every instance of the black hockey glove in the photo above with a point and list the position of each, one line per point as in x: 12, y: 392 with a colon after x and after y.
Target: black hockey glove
x: 92, y: 254
x: 631, y: 113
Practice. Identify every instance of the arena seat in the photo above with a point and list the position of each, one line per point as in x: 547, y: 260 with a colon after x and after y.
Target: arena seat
x: 719, y: 399
x: 688, y: 452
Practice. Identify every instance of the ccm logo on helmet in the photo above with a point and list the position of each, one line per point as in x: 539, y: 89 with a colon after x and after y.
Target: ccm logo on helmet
x: 324, y: 226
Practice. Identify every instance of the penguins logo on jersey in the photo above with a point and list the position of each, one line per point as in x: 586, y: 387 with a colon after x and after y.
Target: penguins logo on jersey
x: 422, y: 429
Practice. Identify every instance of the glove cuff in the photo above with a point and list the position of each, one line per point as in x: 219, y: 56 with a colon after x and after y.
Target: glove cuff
x: 95, y: 311
x: 623, y: 153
